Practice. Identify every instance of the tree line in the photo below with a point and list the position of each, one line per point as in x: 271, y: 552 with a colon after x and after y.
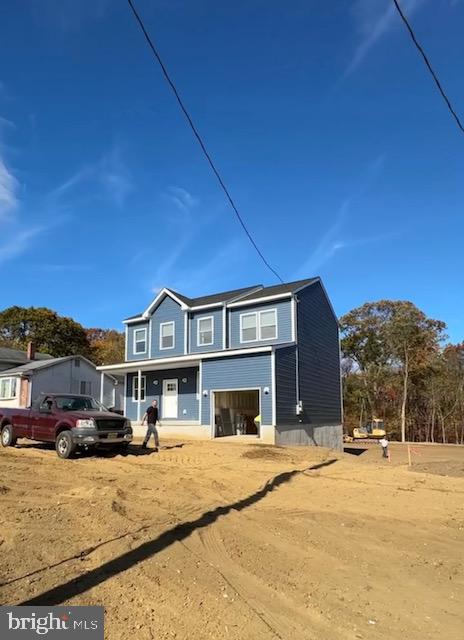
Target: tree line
x: 396, y: 365
x: 58, y: 336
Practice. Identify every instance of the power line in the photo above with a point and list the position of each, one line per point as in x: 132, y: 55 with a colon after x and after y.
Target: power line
x: 199, y: 139
x: 429, y: 66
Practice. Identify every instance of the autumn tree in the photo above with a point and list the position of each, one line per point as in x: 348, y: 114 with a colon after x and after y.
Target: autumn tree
x: 390, y: 336
x: 107, y: 345
x: 57, y: 335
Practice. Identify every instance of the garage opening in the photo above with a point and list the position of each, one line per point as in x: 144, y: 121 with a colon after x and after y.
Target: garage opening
x: 235, y: 413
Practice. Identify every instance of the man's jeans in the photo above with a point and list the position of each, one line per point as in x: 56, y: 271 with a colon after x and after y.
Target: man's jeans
x: 151, y: 431
x: 384, y: 449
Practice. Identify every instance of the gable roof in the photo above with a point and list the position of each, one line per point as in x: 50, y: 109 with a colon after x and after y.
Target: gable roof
x: 279, y: 289
x: 15, y: 356
x: 35, y: 365
x: 237, y: 296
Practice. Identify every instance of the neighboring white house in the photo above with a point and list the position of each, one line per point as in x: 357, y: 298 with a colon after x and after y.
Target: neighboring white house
x: 40, y: 373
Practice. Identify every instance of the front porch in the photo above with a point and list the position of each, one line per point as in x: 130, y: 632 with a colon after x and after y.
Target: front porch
x: 203, y: 398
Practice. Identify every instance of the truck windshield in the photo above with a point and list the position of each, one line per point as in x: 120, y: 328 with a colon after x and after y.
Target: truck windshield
x: 78, y: 403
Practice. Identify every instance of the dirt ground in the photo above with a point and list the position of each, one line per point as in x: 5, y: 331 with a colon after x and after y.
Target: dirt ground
x: 238, y: 541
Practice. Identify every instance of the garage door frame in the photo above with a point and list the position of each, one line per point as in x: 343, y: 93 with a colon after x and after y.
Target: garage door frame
x: 213, y: 405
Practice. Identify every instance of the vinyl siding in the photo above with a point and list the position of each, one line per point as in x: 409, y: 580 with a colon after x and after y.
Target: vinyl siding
x: 167, y: 311
x: 284, y: 323
x: 285, y: 377
x: 65, y: 377
x: 188, y: 402
x: 130, y: 341
x: 193, y: 335
x: 242, y: 372
x: 318, y: 358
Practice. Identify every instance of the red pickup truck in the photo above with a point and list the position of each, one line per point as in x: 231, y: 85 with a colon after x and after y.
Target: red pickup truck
x: 70, y: 421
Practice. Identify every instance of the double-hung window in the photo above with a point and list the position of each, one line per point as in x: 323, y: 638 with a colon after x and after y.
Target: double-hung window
x: 135, y: 388
x: 268, y: 325
x: 140, y: 340
x: 205, y: 331
x: 8, y: 388
x: 258, y: 325
x: 248, y: 327
x: 167, y: 335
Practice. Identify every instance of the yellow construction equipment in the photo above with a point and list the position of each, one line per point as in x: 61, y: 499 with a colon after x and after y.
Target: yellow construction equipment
x: 372, y: 430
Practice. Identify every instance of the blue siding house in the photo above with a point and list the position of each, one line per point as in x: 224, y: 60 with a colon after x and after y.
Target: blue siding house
x: 262, y: 362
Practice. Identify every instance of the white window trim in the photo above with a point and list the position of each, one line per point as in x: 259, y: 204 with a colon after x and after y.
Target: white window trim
x: 258, y: 314
x: 205, y: 344
x: 10, y: 397
x: 143, y: 386
x: 135, y: 341
x: 165, y: 324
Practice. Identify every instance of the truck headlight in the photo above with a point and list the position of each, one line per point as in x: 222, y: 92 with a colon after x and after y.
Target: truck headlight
x: 89, y: 423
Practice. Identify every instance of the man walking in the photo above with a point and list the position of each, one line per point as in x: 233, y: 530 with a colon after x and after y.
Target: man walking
x: 384, y: 444
x: 151, y: 416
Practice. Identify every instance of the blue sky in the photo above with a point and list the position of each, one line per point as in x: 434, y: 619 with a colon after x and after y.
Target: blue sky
x: 321, y: 116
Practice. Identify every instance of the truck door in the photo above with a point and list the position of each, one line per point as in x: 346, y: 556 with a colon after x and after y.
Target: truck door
x: 21, y: 423
x: 43, y: 420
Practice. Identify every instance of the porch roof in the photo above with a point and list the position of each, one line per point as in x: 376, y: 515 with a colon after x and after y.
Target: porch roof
x: 177, y: 362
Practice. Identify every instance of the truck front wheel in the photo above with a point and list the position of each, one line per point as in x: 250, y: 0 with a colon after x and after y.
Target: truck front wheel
x: 64, y: 445
x: 8, y: 439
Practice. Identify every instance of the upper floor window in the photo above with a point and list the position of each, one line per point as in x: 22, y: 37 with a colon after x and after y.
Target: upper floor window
x: 258, y: 325
x: 140, y: 340
x: 205, y: 331
x: 166, y: 335
x: 268, y: 325
x: 8, y: 388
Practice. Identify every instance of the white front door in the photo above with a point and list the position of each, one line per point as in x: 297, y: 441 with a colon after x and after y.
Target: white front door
x: 170, y: 398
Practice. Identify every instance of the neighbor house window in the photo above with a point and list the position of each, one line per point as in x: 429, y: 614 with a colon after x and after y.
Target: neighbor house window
x: 259, y: 325
x: 8, y: 388
x: 86, y: 388
x: 140, y: 340
x: 205, y: 331
x: 135, y: 388
x: 166, y: 335
x: 248, y: 327
x: 268, y: 325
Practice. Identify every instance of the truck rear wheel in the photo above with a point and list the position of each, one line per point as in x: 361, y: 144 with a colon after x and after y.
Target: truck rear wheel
x: 64, y: 445
x: 8, y: 439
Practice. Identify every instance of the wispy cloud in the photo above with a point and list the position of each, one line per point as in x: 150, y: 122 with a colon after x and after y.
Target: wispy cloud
x: 63, y: 268
x: 181, y: 198
x: 8, y: 191
x: 337, y: 237
x: 109, y: 177
x: 374, y: 18
x: 18, y: 242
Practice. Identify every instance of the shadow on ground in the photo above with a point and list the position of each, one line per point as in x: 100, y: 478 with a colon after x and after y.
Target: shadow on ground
x: 148, y: 549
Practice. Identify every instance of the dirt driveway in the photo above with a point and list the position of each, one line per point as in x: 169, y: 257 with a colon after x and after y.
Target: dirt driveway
x: 225, y: 540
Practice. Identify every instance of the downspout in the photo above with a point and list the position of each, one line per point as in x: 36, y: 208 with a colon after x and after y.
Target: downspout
x: 297, y: 368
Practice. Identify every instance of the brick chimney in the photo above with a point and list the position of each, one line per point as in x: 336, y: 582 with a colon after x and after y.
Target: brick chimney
x: 30, y: 351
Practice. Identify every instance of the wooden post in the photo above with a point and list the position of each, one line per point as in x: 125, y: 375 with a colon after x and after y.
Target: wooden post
x: 409, y: 456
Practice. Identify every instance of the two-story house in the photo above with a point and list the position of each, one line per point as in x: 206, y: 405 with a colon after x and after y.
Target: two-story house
x: 217, y: 362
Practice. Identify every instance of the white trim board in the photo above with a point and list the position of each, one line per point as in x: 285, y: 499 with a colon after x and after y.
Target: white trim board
x: 192, y: 359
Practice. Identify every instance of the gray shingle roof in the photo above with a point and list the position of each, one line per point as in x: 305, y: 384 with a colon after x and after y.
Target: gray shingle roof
x: 15, y: 356
x: 287, y: 287
x: 254, y: 293
x: 33, y: 365
x: 214, y: 298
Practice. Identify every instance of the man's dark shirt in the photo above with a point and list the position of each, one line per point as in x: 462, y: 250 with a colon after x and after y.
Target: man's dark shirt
x: 152, y: 415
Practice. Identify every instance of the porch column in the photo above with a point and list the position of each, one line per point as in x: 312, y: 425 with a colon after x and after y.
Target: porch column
x: 139, y: 385
x: 102, y: 386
